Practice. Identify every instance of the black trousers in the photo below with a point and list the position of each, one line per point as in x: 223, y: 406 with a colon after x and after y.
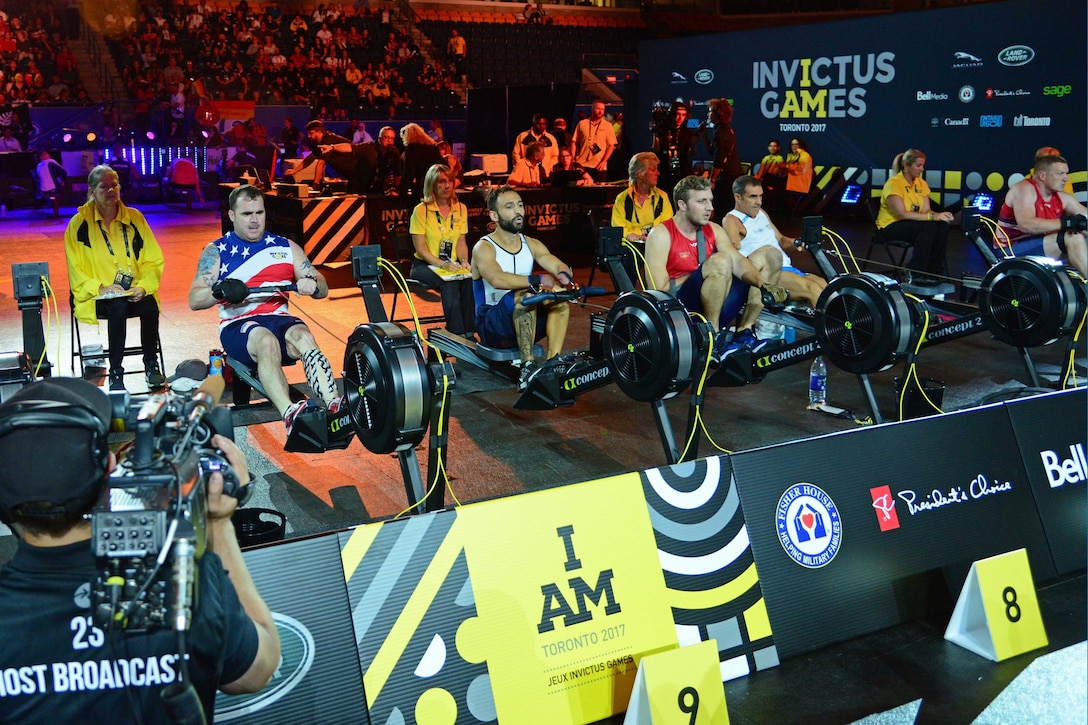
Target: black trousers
x: 458, y: 303
x: 116, y: 313
x: 930, y: 240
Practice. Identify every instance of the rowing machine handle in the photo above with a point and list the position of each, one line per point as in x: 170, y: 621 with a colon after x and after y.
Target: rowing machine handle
x: 563, y: 295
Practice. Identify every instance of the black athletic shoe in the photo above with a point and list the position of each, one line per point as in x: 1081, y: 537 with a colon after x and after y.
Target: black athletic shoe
x: 155, y: 379
x: 117, y: 379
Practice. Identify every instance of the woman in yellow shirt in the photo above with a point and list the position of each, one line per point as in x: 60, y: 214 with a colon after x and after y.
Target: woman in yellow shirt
x: 905, y: 214
x: 438, y: 227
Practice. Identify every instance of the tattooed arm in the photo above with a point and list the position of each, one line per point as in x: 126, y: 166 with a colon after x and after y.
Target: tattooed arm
x: 307, y: 278
x: 207, y: 274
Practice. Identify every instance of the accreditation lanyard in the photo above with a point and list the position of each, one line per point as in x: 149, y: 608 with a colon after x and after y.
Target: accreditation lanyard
x: 444, y: 237
x: 128, y: 252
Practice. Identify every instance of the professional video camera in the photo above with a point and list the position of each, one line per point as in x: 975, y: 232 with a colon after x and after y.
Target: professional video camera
x: 153, y: 508
x: 660, y: 121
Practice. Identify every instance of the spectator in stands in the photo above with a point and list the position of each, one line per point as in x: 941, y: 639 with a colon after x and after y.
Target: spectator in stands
x: 642, y: 205
x: 8, y: 142
x: 458, y: 49
x: 529, y: 172
x: 538, y: 134
x: 420, y: 154
x: 593, y: 142
x: 359, y: 134
x: 723, y: 146
x: 568, y: 172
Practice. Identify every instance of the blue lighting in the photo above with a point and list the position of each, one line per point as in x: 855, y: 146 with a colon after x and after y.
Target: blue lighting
x: 851, y: 194
x: 983, y: 202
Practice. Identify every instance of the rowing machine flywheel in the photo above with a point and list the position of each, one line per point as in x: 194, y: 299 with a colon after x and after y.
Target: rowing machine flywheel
x: 863, y: 322
x: 1030, y: 301
x: 387, y: 385
x: 651, y: 345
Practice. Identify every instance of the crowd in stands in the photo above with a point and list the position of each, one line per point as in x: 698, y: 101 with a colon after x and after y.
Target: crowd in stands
x: 337, y: 57
x: 36, y: 65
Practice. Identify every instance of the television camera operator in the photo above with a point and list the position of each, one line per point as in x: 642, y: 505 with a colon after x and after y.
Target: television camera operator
x: 59, y: 661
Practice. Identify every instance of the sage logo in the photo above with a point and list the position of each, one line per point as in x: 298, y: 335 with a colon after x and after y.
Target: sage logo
x: 1016, y: 55
x: 704, y: 76
x: 297, y: 657
x: 967, y: 94
x: 1057, y: 91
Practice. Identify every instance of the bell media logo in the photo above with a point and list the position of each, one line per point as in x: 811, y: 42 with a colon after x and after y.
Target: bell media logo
x: 884, y: 505
x: 808, y: 524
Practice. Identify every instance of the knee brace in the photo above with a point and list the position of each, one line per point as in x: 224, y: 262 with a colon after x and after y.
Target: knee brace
x: 1061, y: 243
x: 319, y: 375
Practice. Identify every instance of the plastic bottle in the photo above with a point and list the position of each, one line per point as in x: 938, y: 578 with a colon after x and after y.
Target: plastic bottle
x: 817, y: 382
x: 215, y: 362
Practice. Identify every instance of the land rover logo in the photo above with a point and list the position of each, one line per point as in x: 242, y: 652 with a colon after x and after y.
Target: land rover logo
x: 704, y: 76
x: 1016, y: 55
x: 298, y: 650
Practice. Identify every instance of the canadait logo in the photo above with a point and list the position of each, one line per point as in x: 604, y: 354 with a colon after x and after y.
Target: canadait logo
x: 808, y: 524
x: 1016, y: 55
x: 704, y: 76
x: 297, y: 657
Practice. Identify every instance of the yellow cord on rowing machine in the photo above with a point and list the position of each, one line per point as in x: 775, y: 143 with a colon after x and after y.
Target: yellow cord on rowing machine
x: 912, y: 371
x: 55, y: 323
x: 700, y: 424
x: 640, y: 264
x: 402, y: 284
x: 1071, y: 369
x: 1001, y: 237
x: 846, y: 268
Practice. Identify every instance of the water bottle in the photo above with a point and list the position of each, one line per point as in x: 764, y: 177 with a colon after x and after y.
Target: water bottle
x: 817, y: 383
x: 215, y: 362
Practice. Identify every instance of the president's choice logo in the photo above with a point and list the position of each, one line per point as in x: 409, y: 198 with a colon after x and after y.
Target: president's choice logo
x: 808, y: 525
x: 884, y: 505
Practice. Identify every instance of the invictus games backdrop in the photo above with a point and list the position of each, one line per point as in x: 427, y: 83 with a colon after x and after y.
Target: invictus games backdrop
x: 977, y: 88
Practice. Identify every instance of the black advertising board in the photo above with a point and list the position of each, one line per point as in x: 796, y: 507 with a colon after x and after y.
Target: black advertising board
x: 979, y: 98
x: 843, y: 525
x: 1050, y: 430
x: 319, y: 679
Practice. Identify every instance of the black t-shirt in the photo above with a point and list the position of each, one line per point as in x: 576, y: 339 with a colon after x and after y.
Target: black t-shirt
x: 56, y: 666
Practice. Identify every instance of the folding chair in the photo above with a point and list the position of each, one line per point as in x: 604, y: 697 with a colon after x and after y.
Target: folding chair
x: 404, y: 253
x: 897, y: 249
x: 93, y: 353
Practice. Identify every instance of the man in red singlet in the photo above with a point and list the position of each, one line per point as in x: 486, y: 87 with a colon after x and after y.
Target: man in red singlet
x: 692, y: 258
x: 1038, y: 209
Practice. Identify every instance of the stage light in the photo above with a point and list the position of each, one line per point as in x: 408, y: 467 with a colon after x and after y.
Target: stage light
x: 92, y: 137
x: 66, y: 138
x: 851, y: 195
x: 983, y: 202
x: 150, y: 135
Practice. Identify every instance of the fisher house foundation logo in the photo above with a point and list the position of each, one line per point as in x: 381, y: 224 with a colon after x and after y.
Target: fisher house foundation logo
x: 808, y: 524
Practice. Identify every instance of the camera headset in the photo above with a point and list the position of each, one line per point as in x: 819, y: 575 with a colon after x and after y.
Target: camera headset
x: 50, y: 415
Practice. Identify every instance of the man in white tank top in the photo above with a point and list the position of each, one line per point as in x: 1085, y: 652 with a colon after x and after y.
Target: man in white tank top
x: 751, y: 231
x: 504, y: 269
